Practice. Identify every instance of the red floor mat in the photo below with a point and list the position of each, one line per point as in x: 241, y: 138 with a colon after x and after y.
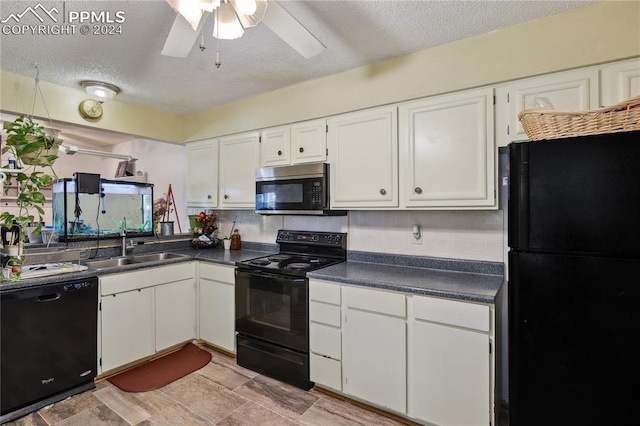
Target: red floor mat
x: 162, y: 371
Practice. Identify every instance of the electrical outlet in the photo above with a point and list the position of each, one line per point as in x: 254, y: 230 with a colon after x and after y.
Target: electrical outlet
x: 416, y: 235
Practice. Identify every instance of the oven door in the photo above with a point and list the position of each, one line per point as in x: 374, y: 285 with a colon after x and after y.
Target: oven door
x: 273, y: 308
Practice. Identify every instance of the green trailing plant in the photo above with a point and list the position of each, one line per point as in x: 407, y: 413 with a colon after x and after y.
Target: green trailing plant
x: 29, y: 145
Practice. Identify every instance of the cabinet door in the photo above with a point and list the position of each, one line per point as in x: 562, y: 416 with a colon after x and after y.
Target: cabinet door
x: 363, y: 153
x: 127, y: 327
x: 275, y: 146
x: 175, y: 313
x: 620, y: 81
x: 202, y: 173
x: 566, y: 91
x: 374, y: 358
x: 449, y: 376
x: 309, y: 142
x: 238, y: 163
x: 447, y: 151
x: 217, y: 307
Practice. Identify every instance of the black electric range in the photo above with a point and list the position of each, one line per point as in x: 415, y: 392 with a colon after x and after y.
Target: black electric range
x: 272, y: 304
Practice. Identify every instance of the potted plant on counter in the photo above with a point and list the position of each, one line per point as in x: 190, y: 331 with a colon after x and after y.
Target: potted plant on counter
x: 32, y: 150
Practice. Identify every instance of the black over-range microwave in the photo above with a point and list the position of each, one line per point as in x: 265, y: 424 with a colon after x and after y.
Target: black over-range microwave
x: 301, y: 189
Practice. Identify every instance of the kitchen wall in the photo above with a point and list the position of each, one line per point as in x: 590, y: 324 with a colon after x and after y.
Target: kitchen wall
x: 474, y: 235
x: 163, y: 164
x: 574, y: 39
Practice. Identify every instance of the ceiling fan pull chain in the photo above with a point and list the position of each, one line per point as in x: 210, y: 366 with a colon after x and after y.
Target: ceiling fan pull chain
x: 218, y: 63
x: 202, y: 46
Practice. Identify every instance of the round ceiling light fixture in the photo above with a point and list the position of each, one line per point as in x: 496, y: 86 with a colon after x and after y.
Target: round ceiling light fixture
x: 99, y: 89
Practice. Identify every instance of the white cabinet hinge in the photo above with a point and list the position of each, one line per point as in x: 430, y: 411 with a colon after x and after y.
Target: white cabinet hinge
x: 494, y: 99
x: 259, y: 139
x: 326, y: 128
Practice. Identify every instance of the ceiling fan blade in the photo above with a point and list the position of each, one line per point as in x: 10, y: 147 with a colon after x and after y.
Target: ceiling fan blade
x: 182, y: 37
x: 291, y: 31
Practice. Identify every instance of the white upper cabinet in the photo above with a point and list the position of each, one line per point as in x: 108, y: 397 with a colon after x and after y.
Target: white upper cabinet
x: 202, y: 173
x: 238, y: 163
x: 447, y: 151
x: 363, y: 157
x: 304, y: 142
x: 566, y: 91
x: 309, y: 142
x: 620, y: 81
x: 275, y: 146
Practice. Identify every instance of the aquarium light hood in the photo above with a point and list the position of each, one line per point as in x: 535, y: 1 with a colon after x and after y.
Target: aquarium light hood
x: 72, y: 149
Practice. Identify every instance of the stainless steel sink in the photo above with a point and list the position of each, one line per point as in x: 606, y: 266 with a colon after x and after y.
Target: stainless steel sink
x: 110, y: 263
x: 132, y: 260
x: 153, y: 257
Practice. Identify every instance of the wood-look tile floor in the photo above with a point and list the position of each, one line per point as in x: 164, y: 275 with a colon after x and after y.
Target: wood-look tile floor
x: 221, y: 393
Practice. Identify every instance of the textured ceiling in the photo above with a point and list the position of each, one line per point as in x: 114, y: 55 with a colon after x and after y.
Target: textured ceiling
x: 356, y: 33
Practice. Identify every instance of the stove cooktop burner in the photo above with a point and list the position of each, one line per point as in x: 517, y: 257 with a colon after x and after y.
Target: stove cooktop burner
x: 279, y: 257
x: 298, y: 265
x: 260, y: 261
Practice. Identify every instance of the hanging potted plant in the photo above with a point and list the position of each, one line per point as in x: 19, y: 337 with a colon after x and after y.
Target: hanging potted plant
x: 31, y: 148
x: 31, y: 145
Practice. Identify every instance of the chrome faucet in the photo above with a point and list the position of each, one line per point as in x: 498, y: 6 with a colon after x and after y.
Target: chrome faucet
x: 123, y: 234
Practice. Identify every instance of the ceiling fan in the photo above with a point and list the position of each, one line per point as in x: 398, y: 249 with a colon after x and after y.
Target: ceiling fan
x: 231, y: 17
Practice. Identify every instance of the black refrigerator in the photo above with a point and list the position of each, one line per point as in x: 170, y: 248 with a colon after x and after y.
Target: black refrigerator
x: 574, y: 281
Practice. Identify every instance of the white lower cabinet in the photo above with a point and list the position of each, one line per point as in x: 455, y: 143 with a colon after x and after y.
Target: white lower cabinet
x: 325, y: 335
x: 427, y: 358
x: 175, y: 313
x: 127, y: 327
x: 217, y: 305
x: 145, y: 311
x: 374, y: 345
x: 450, y: 362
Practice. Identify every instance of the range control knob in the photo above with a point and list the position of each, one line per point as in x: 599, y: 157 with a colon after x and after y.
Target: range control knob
x: 314, y: 238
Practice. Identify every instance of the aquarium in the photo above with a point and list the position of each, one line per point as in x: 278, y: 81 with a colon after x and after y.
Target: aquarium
x: 103, y: 213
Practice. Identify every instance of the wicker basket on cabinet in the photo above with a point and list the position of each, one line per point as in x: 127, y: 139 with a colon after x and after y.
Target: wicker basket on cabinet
x: 549, y: 124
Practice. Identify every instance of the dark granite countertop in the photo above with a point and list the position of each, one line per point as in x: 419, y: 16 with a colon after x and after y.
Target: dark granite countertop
x: 470, y: 280
x: 214, y: 255
x: 457, y: 279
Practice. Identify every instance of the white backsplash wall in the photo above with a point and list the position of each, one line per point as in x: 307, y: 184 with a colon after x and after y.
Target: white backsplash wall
x: 472, y: 235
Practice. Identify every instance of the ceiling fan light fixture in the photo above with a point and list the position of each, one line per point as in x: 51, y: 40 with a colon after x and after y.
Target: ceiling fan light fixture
x: 250, y: 12
x: 190, y: 10
x: 99, y: 89
x: 227, y: 25
x: 208, y: 5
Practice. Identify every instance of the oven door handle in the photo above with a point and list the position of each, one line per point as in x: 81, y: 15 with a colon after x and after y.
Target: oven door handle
x: 259, y: 274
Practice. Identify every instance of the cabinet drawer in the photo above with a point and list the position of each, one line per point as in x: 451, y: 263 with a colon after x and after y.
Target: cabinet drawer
x: 225, y: 274
x: 326, y: 314
x: 118, y: 283
x: 376, y: 301
x: 324, y: 292
x: 460, y: 314
x: 325, y: 340
x: 326, y: 372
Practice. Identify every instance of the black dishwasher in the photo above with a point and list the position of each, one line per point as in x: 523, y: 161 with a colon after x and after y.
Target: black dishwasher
x: 48, y: 344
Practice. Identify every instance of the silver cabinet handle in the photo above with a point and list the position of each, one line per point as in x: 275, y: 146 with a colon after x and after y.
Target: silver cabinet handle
x: 418, y: 190
x: 383, y: 191
x: 301, y: 149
